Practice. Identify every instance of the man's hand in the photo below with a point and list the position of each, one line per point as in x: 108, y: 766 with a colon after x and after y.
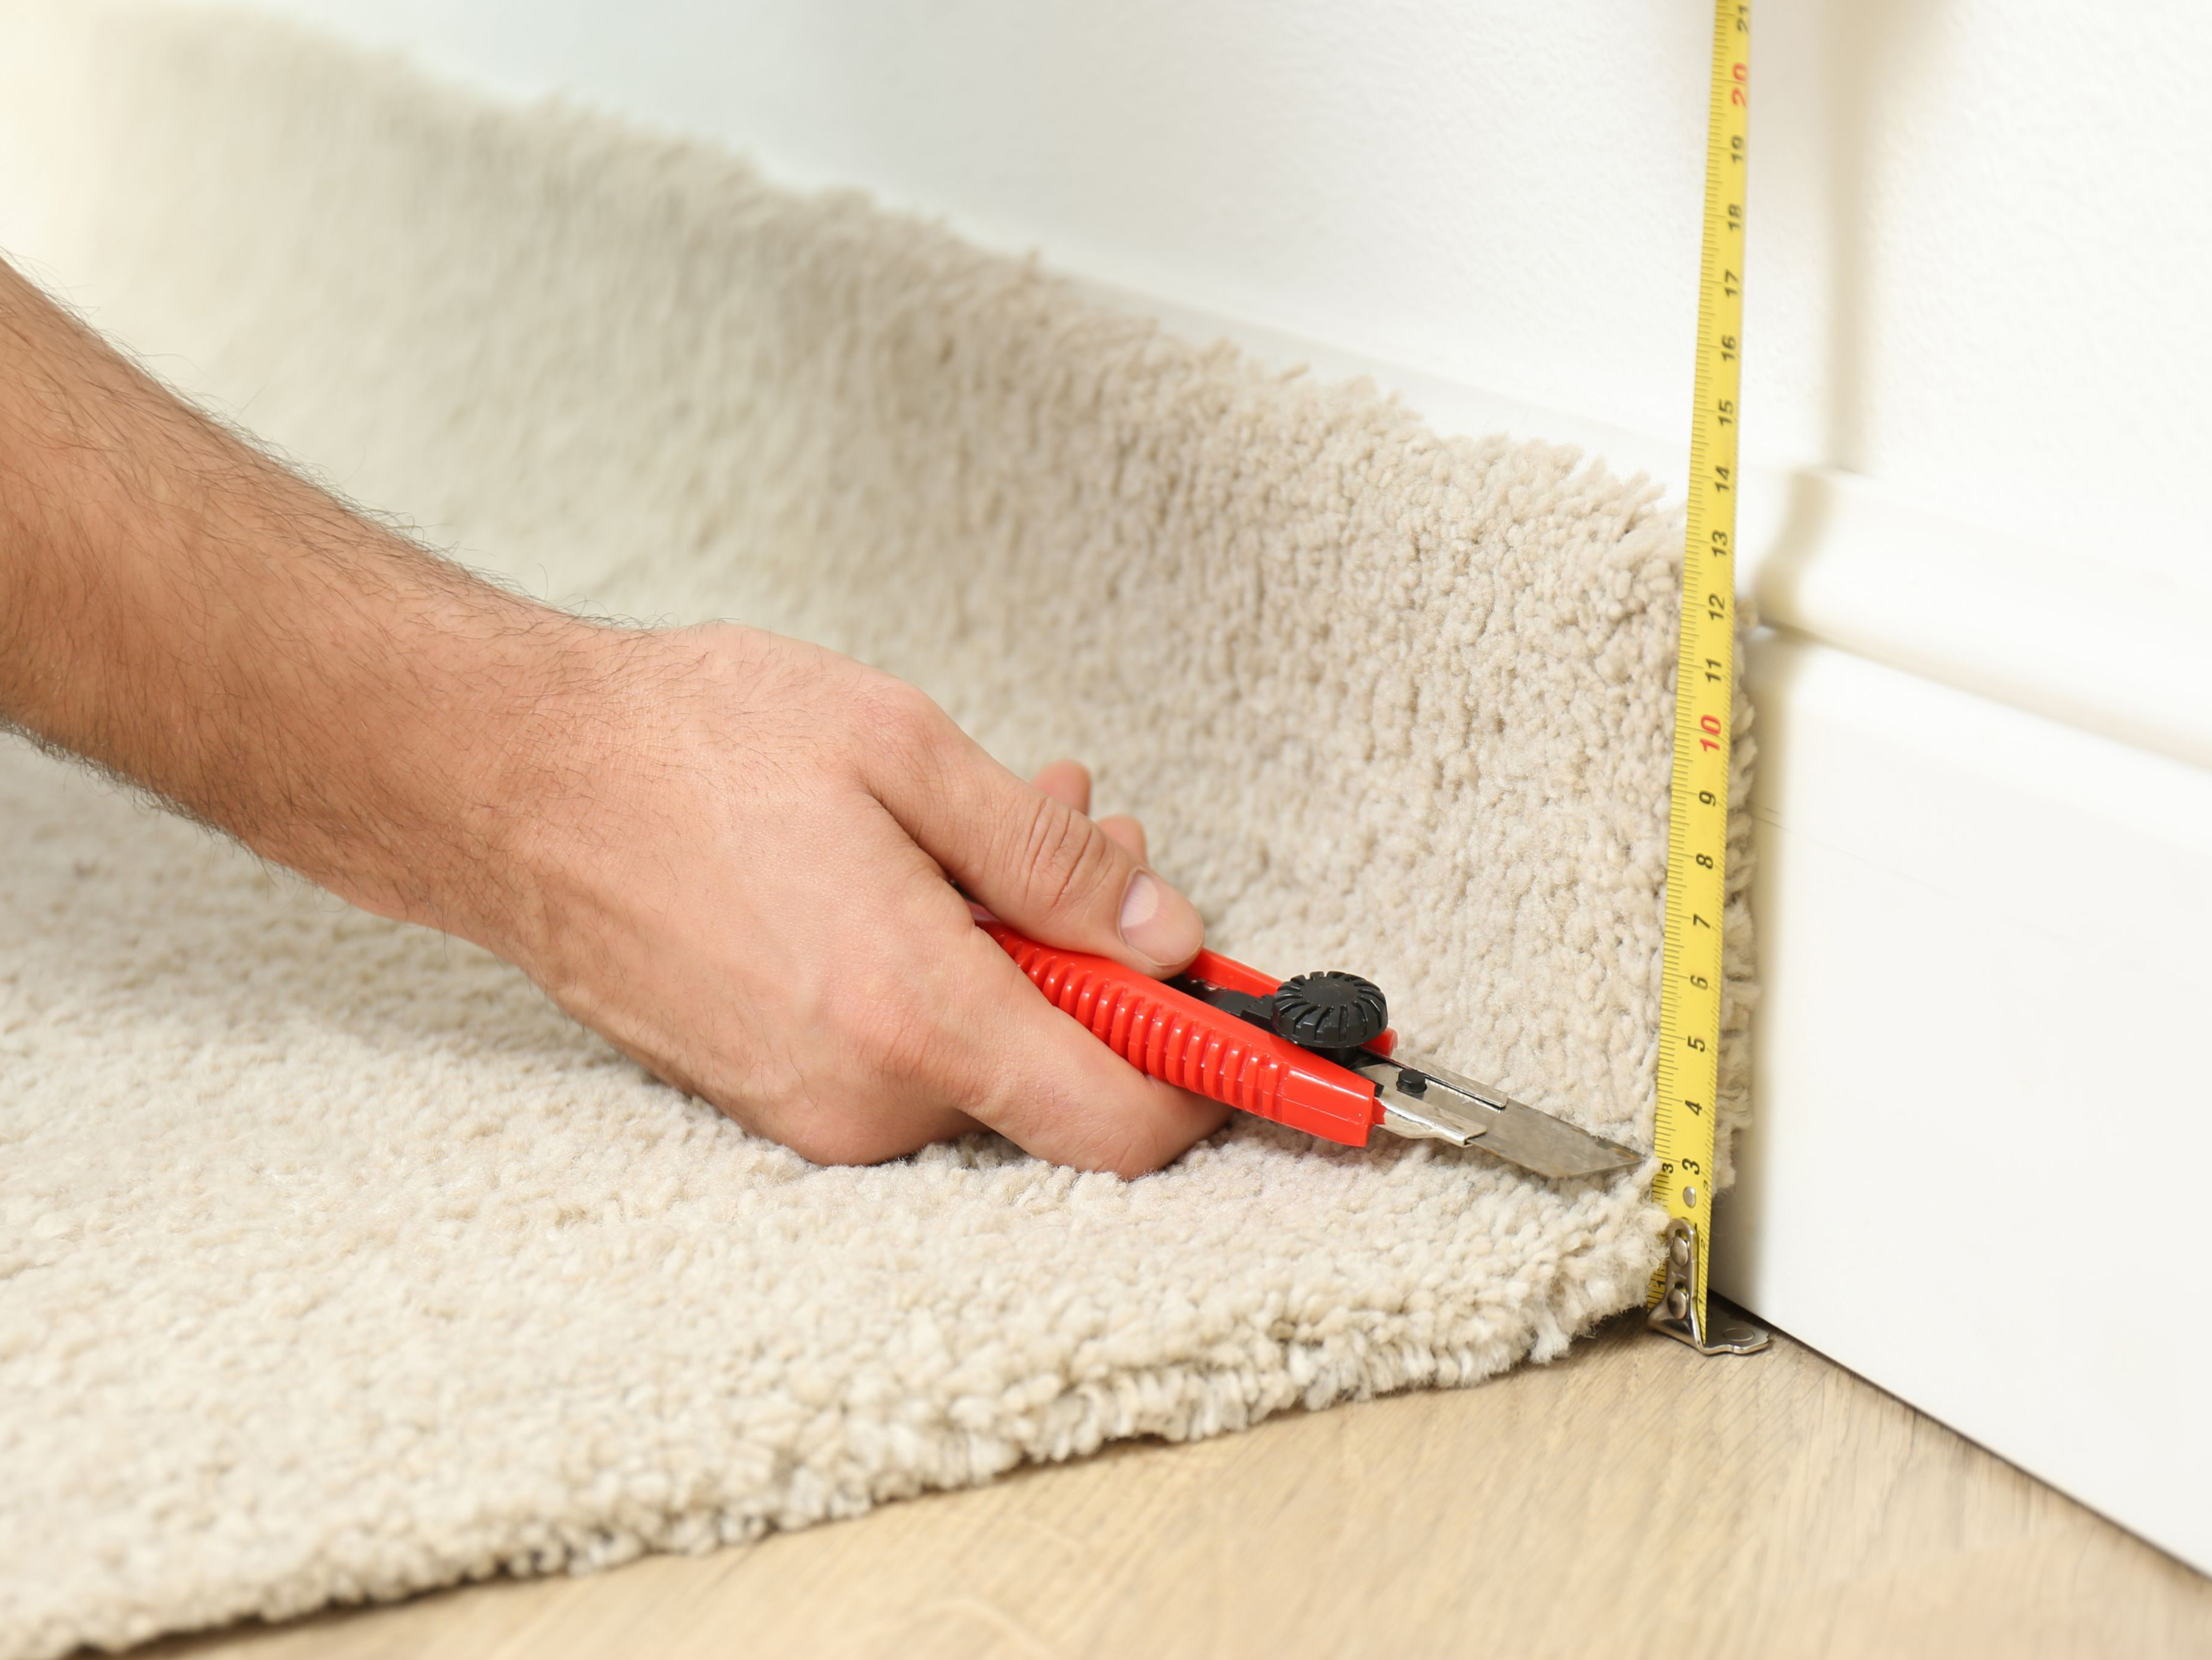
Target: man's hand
x: 742, y: 880
x: 732, y: 853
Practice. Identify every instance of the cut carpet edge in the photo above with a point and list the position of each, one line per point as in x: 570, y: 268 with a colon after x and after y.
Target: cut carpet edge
x: 1170, y: 1404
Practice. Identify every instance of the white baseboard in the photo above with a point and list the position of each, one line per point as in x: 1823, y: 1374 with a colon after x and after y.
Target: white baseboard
x: 2115, y: 651
x: 1978, y: 1173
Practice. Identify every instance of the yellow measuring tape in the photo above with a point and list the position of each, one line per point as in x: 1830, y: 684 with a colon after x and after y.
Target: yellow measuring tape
x: 1704, y: 681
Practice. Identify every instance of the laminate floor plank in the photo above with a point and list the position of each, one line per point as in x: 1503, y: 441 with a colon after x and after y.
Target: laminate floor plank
x: 1631, y: 1501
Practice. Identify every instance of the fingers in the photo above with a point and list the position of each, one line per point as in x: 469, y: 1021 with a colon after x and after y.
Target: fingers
x: 781, y: 938
x: 1036, y: 861
x: 1129, y: 833
x: 1069, y: 783
x: 1048, y: 1085
x: 1030, y: 852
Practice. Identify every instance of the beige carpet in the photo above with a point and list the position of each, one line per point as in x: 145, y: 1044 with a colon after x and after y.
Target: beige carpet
x: 335, y: 1264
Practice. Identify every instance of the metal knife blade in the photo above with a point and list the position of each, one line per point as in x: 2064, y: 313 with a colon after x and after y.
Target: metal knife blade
x: 1424, y: 1101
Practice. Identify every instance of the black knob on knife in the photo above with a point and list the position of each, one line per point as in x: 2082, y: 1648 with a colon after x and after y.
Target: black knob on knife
x: 1330, y: 1011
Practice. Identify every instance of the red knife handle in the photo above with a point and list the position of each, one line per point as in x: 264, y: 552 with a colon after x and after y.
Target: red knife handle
x: 1175, y: 1038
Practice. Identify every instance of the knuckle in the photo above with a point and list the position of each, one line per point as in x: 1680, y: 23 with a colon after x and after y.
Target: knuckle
x: 898, y: 719
x: 1065, y: 862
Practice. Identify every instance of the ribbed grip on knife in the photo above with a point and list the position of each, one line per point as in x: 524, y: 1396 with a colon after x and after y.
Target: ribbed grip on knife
x: 1173, y: 1037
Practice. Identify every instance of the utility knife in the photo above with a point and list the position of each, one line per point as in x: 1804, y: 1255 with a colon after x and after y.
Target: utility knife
x: 1314, y: 1052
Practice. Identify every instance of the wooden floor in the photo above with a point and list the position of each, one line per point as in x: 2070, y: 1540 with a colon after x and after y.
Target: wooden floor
x: 1631, y: 1501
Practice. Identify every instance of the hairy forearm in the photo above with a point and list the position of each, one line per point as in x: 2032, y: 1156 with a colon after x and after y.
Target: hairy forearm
x: 182, y: 610
x: 726, y: 852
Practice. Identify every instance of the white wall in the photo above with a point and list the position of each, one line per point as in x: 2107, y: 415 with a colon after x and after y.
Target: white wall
x: 1979, y: 227
x: 1977, y: 376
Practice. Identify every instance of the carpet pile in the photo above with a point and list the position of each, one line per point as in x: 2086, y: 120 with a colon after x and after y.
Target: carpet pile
x: 335, y: 1264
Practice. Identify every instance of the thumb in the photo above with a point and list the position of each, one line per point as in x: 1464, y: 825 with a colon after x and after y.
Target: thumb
x: 1036, y: 863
